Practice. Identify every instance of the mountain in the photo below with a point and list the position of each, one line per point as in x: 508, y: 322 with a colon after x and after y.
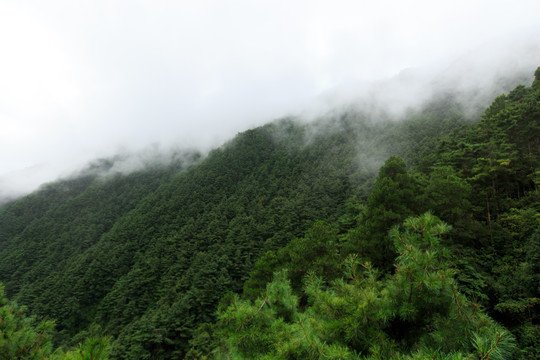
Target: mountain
x: 147, y: 255
x: 423, y: 289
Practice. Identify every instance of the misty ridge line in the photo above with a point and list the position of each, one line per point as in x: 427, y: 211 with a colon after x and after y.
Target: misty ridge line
x: 123, y: 163
x: 472, y: 81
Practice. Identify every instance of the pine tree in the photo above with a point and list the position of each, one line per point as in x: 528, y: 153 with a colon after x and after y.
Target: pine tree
x: 394, y: 198
x: 23, y: 337
x: 416, y: 313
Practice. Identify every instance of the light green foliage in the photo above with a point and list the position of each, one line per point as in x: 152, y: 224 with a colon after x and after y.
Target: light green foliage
x: 22, y: 337
x: 498, y: 347
x: 416, y: 311
x: 91, y: 349
x: 422, y: 283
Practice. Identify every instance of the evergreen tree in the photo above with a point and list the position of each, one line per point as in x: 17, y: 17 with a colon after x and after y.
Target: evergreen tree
x: 417, y: 313
x: 22, y: 337
x: 393, y: 198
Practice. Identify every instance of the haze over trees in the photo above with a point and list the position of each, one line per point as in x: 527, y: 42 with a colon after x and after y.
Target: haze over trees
x: 344, y: 238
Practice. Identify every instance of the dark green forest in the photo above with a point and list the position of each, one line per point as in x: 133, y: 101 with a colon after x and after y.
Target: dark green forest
x: 349, y: 237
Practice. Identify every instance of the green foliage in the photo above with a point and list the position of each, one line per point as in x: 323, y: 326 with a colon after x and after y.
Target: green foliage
x: 394, y: 197
x: 23, y: 337
x: 317, y: 251
x: 416, y: 311
x: 448, y: 195
x: 497, y: 348
x: 498, y: 160
x: 91, y: 349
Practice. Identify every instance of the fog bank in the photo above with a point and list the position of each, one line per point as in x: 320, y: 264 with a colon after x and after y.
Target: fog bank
x: 86, y: 80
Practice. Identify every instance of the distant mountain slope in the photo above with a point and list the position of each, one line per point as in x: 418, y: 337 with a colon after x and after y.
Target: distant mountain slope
x: 156, y: 249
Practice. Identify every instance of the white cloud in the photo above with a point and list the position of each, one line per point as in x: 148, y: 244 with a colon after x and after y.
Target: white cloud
x: 78, y: 79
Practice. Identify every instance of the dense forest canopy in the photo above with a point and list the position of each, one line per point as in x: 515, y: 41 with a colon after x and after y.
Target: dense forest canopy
x: 344, y: 238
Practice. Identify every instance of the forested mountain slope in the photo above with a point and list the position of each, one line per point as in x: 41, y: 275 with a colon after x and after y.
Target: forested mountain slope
x: 152, y: 252
x: 146, y: 257
x: 397, y: 298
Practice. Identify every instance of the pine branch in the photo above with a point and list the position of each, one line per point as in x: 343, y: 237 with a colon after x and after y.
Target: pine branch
x: 493, y: 347
x: 458, y: 303
x: 265, y: 301
x: 311, y: 345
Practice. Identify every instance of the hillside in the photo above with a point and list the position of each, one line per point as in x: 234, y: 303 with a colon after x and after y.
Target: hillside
x: 424, y: 289
x: 146, y: 257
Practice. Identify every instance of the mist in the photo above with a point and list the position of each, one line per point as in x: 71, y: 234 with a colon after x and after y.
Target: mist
x: 81, y: 81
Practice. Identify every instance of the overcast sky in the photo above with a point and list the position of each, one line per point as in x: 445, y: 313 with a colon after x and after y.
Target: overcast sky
x: 82, y: 79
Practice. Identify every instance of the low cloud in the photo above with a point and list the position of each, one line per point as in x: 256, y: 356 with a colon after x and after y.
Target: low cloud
x: 473, y: 79
x: 83, y: 80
